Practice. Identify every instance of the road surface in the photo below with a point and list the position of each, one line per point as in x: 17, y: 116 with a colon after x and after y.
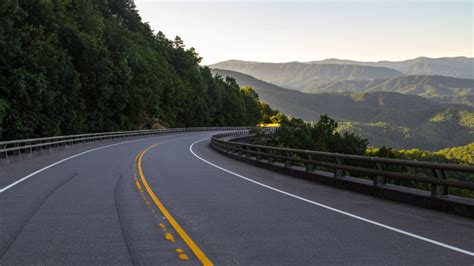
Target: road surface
x: 171, y: 200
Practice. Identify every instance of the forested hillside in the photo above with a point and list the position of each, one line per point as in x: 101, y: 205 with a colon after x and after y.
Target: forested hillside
x: 439, y: 88
x: 385, y: 118
x: 88, y: 66
x: 462, y: 153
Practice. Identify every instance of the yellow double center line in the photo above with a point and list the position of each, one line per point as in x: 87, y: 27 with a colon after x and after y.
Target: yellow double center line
x: 195, y: 249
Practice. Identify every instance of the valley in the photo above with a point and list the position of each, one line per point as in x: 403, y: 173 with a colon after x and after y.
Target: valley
x: 401, y: 121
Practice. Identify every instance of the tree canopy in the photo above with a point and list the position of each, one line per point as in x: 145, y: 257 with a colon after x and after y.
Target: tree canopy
x: 319, y: 136
x: 76, y: 66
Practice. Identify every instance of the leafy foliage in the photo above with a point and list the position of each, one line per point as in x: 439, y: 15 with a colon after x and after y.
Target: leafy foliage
x: 87, y: 66
x: 456, y: 155
x: 464, y: 154
x: 319, y: 136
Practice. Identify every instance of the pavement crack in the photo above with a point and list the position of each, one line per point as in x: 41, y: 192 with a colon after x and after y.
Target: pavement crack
x: 122, y: 223
x: 7, y: 244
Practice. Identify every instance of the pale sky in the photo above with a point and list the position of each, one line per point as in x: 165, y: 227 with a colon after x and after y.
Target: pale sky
x: 270, y: 31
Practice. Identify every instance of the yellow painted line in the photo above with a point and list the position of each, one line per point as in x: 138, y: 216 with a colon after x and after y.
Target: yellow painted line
x: 138, y: 185
x: 194, y: 248
x: 183, y: 256
x: 163, y: 227
x: 170, y: 237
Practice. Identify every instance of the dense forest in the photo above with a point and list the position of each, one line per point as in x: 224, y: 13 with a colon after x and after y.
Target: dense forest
x: 88, y: 66
x: 318, y: 136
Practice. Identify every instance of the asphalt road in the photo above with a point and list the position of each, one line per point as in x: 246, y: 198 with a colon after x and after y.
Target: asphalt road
x: 179, y: 202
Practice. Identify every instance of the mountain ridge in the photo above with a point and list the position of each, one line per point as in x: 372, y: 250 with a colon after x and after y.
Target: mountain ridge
x: 387, y: 118
x: 458, y: 67
x: 300, y: 76
x: 439, y: 88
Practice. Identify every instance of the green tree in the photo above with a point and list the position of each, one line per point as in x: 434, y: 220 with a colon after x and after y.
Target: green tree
x: 320, y: 136
x: 88, y: 66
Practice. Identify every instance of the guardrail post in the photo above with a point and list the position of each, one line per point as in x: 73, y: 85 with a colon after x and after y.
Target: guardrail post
x: 439, y: 190
x: 248, y: 154
x: 4, y: 154
x: 270, y: 159
x: 258, y: 157
x: 309, y: 166
x: 240, y: 152
x: 235, y: 149
x: 288, y: 161
x: 29, y: 149
x: 380, y: 180
x: 339, y: 172
x: 18, y: 151
x: 220, y: 145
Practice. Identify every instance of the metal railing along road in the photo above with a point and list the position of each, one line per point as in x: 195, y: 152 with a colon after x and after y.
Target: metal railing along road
x: 18, y: 147
x: 344, y: 164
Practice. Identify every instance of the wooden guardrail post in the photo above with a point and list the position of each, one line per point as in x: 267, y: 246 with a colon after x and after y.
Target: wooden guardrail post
x: 225, y: 146
x: 380, y: 180
x: 270, y: 158
x: 288, y: 160
x: 436, y: 189
x: 240, y: 152
x: 18, y: 152
x: 233, y: 148
x: 258, y: 157
x: 339, y: 172
x: 4, y: 154
x: 309, y: 166
x: 248, y: 154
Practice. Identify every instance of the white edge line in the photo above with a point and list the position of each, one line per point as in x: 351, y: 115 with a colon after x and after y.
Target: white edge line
x: 333, y: 209
x: 66, y: 159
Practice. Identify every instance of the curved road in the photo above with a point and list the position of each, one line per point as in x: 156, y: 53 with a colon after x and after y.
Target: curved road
x: 171, y: 200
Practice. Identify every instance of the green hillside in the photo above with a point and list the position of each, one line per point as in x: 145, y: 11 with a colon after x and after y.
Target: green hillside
x: 461, y: 153
x: 301, y: 76
x: 439, y: 88
x: 441, y: 130
x: 385, y: 118
x: 88, y: 66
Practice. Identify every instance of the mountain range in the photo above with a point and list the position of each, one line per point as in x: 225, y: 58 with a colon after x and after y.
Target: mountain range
x: 385, y: 118
x: 439, y: 88
x: 303, y: 76
x: 458, y: 67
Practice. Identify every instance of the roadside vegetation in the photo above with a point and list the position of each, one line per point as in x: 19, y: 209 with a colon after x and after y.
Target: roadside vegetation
x: 323, y: 136
x: 318, y: 136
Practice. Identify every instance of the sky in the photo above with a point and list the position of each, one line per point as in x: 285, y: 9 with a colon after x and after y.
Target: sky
x: 271, y: 31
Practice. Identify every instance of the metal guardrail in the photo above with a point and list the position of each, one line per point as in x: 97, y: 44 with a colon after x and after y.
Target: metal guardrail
x: 17, y: 147
x: 343, y: 164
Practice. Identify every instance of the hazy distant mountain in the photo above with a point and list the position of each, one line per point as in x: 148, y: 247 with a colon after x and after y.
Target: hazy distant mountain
x: 458, y: 67
x: 301, y: 76
x: 386, y: 118
x: 440, y: 88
